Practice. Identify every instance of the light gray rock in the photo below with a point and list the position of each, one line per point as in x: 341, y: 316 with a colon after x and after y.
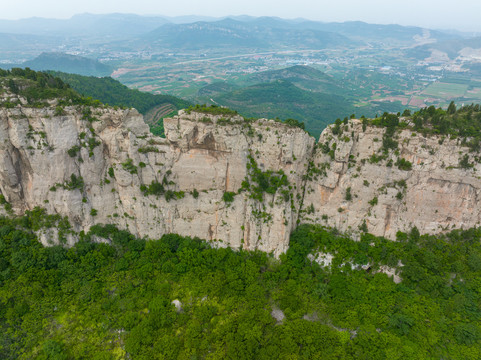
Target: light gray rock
x: 197, y: 154
x: 209, y: 156
x: 177, y: 304
x: 278, y: 315
x: 437, y: 196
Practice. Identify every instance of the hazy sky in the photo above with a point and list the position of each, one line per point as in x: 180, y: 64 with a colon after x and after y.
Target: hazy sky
x: 460, y: 14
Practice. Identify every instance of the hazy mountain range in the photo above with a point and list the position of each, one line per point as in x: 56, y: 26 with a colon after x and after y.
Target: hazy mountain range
x: 27, y: 38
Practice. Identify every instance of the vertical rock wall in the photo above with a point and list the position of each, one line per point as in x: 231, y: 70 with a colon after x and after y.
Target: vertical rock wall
x: 231, y: 181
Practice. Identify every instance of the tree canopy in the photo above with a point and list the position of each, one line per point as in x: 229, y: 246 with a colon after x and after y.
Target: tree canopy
x: 115, y: 299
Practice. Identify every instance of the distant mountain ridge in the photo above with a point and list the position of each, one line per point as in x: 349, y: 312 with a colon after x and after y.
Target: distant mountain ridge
x: 451, y: 47
x: 228, y: 33
x: 363, y: 30
x: 115, y: 25
x: 133, y: 24
x: 135, y: 32
x: 18, y: 46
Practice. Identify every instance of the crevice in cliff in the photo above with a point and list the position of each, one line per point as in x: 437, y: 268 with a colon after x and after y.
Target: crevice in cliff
x: 226, y: 185
x: 304, y: 179
x: 387, y: 220
x: 444, y: 182
x: 23, y: 170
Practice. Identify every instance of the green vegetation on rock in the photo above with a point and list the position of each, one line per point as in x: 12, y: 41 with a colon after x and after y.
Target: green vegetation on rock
x: 36, y: 87
x: 155, y: 188
x: 228, y: 196
x: 128, y: 165
x: 212, y: 110
x: 464, y: 123
x: 259, y: 182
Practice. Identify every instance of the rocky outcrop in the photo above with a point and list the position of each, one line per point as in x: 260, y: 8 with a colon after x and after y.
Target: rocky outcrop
x: 356, y: 184
x: 231, y: 181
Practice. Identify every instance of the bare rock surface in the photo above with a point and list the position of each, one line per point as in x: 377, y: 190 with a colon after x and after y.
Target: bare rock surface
x: 98, y: 172
x: 435, y: 195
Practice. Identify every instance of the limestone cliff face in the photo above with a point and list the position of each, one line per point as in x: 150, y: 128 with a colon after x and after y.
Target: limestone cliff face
x: 93, y: 172
x: 207, y: 178
x: 435, y: 195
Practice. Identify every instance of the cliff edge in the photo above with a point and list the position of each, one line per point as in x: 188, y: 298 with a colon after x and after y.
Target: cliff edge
x: 237, y: 182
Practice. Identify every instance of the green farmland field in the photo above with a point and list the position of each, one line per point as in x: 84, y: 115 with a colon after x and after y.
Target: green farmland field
x: 445, y: 90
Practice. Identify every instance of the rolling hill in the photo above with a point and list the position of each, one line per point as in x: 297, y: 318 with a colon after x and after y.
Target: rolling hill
x: 68, y: 63
x: 283, y: 99
x: 299, y: 92
x: 305, y: 77
x: 216, y: 88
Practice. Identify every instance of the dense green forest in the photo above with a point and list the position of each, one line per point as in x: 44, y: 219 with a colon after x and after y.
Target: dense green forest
x: 37, y: 87
x: 114, y: 300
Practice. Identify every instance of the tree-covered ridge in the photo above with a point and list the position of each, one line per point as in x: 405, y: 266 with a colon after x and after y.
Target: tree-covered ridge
x: 115, y: 300
x: 36, y: 87
x: 463, y: 123
x: 112, y: 92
